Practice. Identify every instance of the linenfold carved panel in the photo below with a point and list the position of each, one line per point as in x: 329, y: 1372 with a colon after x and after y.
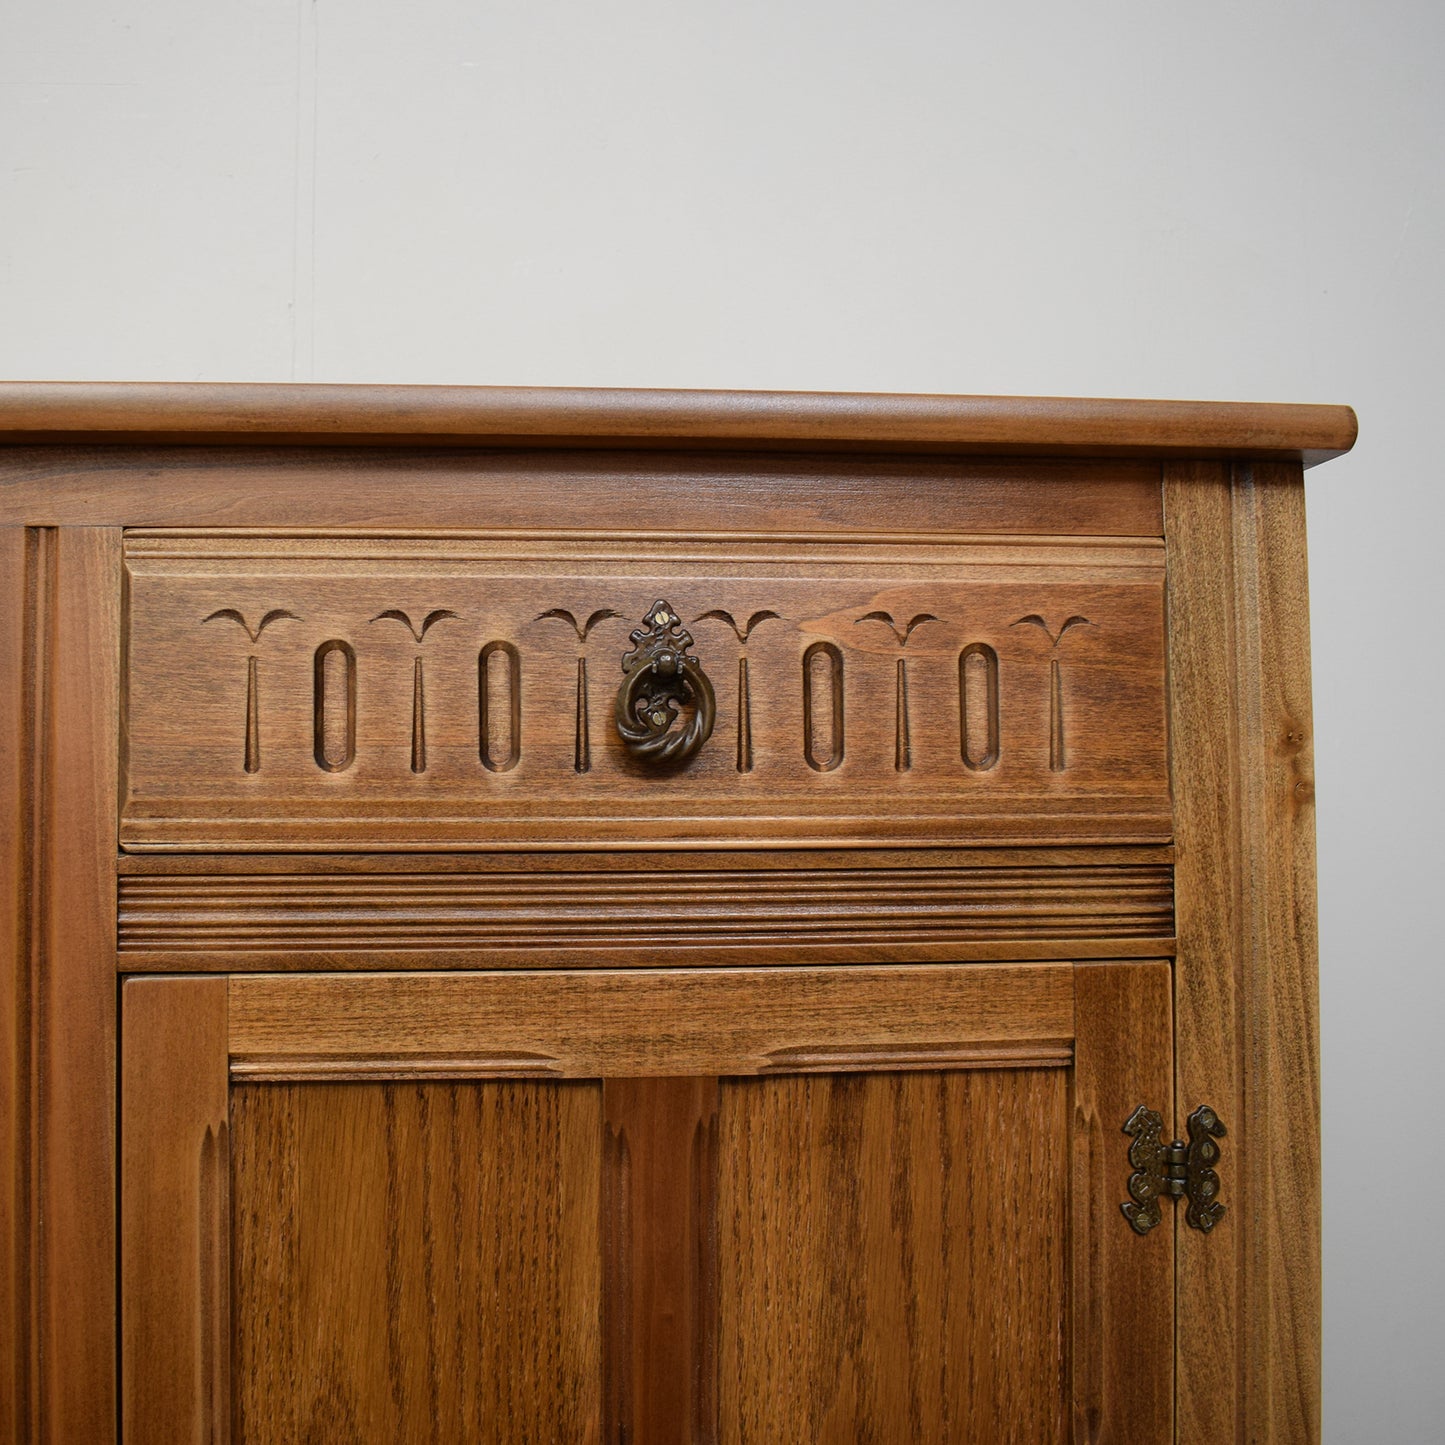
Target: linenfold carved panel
x: 457, y: 691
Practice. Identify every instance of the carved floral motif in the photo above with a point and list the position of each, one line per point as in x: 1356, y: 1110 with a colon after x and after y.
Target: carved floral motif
x: 902, y: 745
x: 1057, y: 758
x: 742, y: 630
x: 582, y: 744
x: 251, y: 755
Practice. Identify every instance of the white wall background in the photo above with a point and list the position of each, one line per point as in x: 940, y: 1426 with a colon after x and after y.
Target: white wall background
x: 1125, y: 198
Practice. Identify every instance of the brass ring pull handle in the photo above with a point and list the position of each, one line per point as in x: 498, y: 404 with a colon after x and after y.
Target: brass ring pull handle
x: 658, y: 675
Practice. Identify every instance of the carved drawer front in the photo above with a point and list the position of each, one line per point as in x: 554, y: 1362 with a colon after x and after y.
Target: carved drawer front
x: 334, y: 692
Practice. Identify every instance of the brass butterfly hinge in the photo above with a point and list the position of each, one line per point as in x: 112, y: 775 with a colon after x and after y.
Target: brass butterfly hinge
x: 1179, y: 1170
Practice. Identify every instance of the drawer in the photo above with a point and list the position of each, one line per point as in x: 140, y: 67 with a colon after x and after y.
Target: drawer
x: 450, y: 691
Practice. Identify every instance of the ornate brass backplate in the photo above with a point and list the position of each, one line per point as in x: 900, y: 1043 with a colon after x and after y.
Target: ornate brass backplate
x: 658, y: 676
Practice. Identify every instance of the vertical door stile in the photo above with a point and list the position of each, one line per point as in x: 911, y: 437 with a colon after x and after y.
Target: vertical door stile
x: 175, y: 1211
x: 659, y: 1240
x: 1122, y: 1296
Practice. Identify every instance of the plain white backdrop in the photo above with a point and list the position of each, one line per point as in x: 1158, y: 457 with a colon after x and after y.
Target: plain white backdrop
x: 1234, y: 201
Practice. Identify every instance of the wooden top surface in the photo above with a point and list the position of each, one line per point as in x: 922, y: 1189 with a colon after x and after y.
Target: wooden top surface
x: 496, y: 416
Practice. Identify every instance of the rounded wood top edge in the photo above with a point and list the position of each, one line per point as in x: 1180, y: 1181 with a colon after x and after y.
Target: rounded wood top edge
x: 203, y: 412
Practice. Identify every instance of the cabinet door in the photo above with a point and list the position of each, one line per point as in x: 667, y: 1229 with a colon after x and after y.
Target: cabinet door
x: 847, y: 1204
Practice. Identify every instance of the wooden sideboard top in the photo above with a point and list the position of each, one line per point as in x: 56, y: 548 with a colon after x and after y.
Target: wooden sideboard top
x: 500, y: 416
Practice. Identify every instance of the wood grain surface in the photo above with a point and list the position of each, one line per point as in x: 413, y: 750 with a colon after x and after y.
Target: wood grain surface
x: 234, y: 681
x: 175, y: 1213
x: 1247, y: 966
x: 648, y: 1023
x: 401, y: 490
x: 417, y: 1263
x: 892, y: 1260
x: 72, y: 915
x: 1281, y: 973
x: 1210, y: 1005
x: 534, y: 416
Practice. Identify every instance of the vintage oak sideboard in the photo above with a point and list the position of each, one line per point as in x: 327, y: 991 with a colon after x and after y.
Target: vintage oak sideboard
x: 655, y: 917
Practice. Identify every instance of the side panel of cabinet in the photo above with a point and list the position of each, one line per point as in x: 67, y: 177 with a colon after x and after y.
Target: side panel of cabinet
x: 1247, y: 966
